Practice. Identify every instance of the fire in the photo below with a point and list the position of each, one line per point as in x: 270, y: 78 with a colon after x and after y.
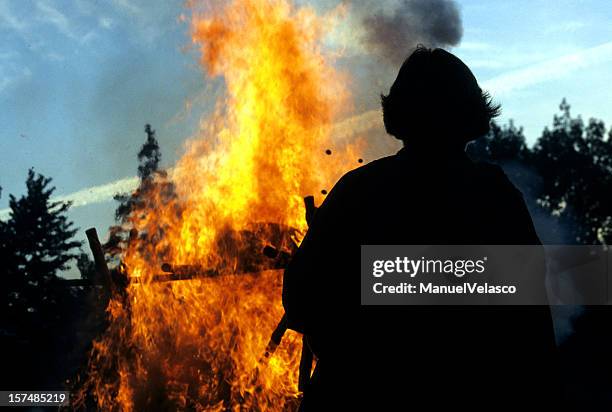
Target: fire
x: 198, y: 344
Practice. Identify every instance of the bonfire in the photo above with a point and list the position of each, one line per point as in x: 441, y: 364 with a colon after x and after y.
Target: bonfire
x: 198, y: 340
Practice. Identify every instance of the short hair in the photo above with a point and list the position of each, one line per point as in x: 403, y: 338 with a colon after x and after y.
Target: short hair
x: 436, y: 96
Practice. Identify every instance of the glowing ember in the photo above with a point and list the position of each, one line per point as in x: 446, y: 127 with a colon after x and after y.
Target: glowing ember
x: 197, y: 344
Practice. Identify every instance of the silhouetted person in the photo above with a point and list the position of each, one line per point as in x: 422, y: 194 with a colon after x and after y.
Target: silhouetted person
x: 383, y: 358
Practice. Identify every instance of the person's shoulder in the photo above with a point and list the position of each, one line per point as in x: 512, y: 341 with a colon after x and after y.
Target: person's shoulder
x: 489, y: 168
x: 379, y: 167
x: 494, y: 175
x: 491, y: 171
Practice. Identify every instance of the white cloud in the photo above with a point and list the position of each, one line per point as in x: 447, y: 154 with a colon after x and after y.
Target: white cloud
x: 565, y: 27
x: 479, y: 55
x: 487, y: 64
x: 474, y: 46
x: 147, y: 20
x: 56, y: 18
x: 5, y: 81
x: 128, y: 6
x: 8, y: 19
x: 541, y: 72
x: 54, y: 57
x: 11, y: 74
x: 106, y: 22
x: 548, y: 70
x: 91, y: 35
x: 8, y: 55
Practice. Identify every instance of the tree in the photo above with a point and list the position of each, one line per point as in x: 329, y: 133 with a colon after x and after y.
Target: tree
x: 36, y: 242
x: 154, y: 186
x: 565, y: 177
x: 506, y: 146
x: 86, y: 266
x: 575, y: 164
x: 567, y: 186
x: 501, y: 144
x: 149, y: 155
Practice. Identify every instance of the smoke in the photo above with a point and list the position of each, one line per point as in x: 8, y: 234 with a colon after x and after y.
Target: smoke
x: 433, y: 23
x: 551, y: 232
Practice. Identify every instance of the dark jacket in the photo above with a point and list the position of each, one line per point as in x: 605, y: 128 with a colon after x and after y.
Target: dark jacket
x: 395, y: 356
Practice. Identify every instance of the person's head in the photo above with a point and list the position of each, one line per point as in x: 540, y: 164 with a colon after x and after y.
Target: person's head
x: 436, y: 101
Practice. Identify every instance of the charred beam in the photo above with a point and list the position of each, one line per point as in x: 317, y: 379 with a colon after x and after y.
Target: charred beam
x: 188, y: 270
x: 305, y: 368
x: 199, y: 273
x: 102, y: 272
x: 309, y: 204
x: 280, y: 260
x: 281, y: 257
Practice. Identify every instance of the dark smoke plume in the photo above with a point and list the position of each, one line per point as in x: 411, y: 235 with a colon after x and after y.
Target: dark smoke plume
x: 433, y: 23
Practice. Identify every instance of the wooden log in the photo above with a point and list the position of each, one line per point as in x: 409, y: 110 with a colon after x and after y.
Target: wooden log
x: 276, y: 337
x: 102, y: 272
x: 305, y: 368
x: 309, y: 204
x: 170, y: 276
x: 174, y: 272
x: 281, y: 258
x: 189, y: 270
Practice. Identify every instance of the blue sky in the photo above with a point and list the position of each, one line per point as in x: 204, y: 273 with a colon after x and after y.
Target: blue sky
x: 79, y: 79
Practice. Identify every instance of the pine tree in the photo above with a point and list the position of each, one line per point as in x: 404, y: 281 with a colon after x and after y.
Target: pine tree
x: 36, y: 242
x: 38, y: 310
x: 154, y: 184
x: 149, y: 155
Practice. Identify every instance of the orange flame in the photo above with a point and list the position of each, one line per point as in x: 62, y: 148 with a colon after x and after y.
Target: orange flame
x: 198, y: 344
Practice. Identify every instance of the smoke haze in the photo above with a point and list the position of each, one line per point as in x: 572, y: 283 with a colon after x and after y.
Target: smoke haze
x: 433, y: 23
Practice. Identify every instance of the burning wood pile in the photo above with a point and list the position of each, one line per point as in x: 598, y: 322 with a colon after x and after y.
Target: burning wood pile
x: 192, y: 326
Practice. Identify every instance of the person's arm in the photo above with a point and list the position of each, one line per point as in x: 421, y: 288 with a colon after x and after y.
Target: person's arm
x: 312, y: 275
x: 518, y: 227
x: 526, y: 235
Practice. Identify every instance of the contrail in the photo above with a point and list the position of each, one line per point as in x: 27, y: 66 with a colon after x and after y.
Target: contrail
x: 91, y: 195
x: 513, y: 80
x: 105, y: 192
